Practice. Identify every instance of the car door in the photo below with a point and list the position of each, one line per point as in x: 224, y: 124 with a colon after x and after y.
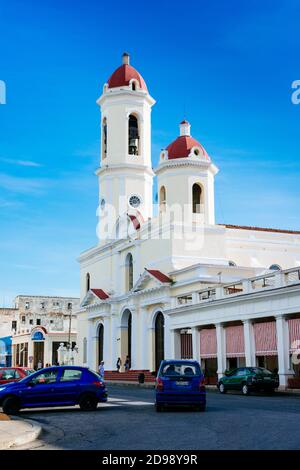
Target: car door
x: 69, y: 386
x: 40, y: 389
x: 240, y: 378
x: 230, y: 379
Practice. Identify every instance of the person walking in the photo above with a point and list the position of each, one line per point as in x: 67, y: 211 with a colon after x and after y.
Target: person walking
x: 101, y: 369
x: 39, y: 364
x: 127, y: 364
x: 119, y: 363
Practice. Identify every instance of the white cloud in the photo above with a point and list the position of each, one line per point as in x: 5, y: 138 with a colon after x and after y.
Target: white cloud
x: 28, y: 163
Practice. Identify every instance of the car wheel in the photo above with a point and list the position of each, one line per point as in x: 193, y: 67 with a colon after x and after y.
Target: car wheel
x: 11, y: 406
x: 158, y: 407
x: 222, y: 388
x: 245, y: 389
x: 88, y: 402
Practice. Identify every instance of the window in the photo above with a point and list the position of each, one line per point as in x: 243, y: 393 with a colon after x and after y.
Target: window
x: 275, y: 267
x: 14, y: 325
x: 45, y: 377
x: 196, y: 198
x: 87, y: 282
x: 180, y: 369
x: 42, y: 305
x: 70, y: 306
x: 31, y: 322
x: 23, y: 319
x: 56, y: 304
x: 27, y: 305
x: 38, y: 321
x: 162, y: 199
x: 129, y: 271
x: 71, y: 374
x: 104, y: 138
x: 133, y: 135
x: 232, y: 263
x: 134, y: 201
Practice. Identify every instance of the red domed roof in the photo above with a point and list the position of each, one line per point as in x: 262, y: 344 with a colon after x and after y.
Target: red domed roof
x: 123, y: 75
x: 182, y: 146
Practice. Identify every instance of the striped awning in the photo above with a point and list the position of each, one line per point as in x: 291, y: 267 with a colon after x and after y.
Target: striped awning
x: 235, y: 345
x: 294, y: 333
x: 186, y: 345
x: 208, y: 343
x: 265, y: 338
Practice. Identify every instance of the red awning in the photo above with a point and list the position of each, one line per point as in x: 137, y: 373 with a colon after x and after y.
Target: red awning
x: 294, y: 333
x: 265, y: 338
x: 208, y: 343
x: 235, y: 345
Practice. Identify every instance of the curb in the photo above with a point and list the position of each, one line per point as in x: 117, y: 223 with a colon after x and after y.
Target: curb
x: 25, y: 437
x: 120, y: 383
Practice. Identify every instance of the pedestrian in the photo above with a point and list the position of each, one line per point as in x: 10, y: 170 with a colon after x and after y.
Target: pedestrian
x: 119, y: 363
x: 127, y: 364
x: 101, y: 369
x: 39, y: 364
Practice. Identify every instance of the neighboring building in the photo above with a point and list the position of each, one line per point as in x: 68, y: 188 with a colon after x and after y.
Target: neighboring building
x: 7, y: 318
x: 38, y: 325
x: 176, y: 284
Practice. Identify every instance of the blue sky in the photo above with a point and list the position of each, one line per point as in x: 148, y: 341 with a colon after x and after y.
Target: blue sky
x: 226, y: 66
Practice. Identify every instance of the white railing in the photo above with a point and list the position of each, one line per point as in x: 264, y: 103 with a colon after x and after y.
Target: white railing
x: 263, y: 282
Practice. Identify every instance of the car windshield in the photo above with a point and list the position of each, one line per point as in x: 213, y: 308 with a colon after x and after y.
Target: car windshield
x: 186, y: 369
x: 261, y: 370
x: 29, y: 371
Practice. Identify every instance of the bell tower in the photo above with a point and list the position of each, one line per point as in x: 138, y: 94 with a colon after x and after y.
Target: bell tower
x: 125, y: 173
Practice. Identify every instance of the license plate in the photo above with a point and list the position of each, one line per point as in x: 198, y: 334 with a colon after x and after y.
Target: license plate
x: 267, y: 378
x: 184, y: 384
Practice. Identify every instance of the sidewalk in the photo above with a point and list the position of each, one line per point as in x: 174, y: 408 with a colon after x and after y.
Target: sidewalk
x: 17, y: 432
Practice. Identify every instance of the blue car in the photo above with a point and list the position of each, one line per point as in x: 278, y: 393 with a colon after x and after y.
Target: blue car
x: 54, y: 386
x: 180, y: 382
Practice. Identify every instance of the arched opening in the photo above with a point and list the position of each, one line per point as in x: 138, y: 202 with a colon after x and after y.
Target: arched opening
x: 159, y: 339
x: 133, y: 135
x: 196, y: 198
x: 126, y: 335
x: 100, y: 343
x: 104, y: 138
x: 129, y: 272
x: 231, y: 263
x: 162, y: 199
x: 87, y: 282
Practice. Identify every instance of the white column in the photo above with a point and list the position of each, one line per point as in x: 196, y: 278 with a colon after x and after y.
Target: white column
x: 91, y: 346
x: 134, y: 340
x: 143, y: 339
x: 114, y: 351
x: 249, y: 343
x: 168, y: 338
x: 175, y: 349
x: 221, y: 349
x: 282, y: 351
x: 106, y: 343
x: 196, y: 343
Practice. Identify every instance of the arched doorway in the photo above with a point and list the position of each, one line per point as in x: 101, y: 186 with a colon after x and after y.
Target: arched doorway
x: 126, y: 335
x: 159, y: 339
x: 100, y: 343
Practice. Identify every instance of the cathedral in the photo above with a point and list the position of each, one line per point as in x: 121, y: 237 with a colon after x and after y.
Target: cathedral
x: 165, y: 280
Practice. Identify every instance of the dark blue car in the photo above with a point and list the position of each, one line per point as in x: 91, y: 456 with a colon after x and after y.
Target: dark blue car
x: 180, y: 382
x: 54, y: 386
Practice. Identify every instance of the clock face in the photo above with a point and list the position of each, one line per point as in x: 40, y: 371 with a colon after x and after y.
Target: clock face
x: 102, y: 203
x: 134, y: 201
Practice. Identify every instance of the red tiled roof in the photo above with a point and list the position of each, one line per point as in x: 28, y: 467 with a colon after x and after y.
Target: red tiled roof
x: 261, y: 229
x: 182, y: 146
x: 100, y: 293
x: 159, y: 275
x: 123, y: 75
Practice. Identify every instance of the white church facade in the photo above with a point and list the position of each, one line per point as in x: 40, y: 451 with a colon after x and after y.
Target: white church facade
x: 165, y: 280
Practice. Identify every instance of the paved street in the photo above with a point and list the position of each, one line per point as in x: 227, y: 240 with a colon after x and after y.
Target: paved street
x: 129, y: 421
